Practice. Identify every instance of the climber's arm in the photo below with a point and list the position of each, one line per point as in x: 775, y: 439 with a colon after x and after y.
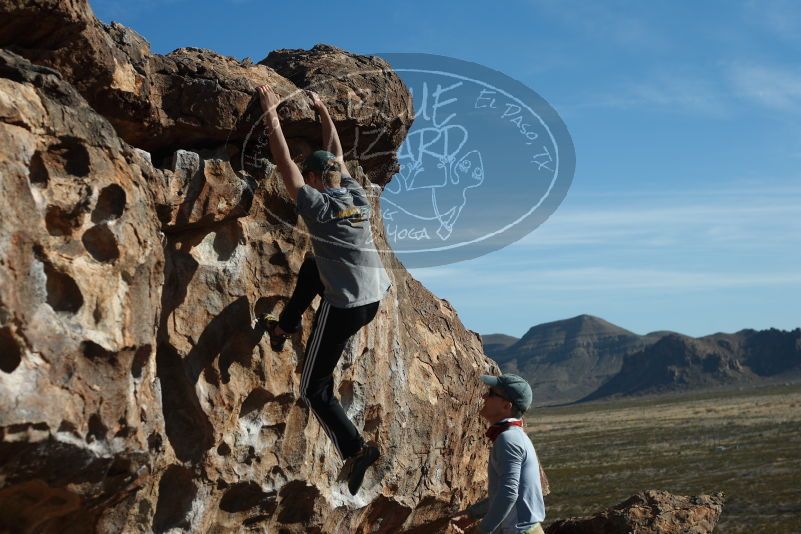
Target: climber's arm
x: 293, y: 179
x: 330, y: 136
x: 332, y: 144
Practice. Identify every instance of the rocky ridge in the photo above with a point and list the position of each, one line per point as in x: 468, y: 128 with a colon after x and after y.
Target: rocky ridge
x: 587, y: 358
x: 567, y: 360
x: 494, y: 343
x: 679, y: 363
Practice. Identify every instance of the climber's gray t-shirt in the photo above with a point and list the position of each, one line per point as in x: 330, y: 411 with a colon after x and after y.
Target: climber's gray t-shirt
x: 339, y: 222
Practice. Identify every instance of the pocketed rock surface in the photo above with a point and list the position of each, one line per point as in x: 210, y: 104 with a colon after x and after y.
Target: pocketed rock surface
x: 138, y: 393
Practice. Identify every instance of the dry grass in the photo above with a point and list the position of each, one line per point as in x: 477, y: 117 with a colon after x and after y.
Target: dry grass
x: 746, y: 443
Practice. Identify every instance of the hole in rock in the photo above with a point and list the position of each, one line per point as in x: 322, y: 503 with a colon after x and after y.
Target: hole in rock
x: 92, y: 350
x: 255, y: 401
x: 10, y: 350
x: 97, y: 430
x: 141, y: 357
x: 244, y: 496
x: 123, y: 432
x: 110, y: 204
x: 346, y: 394
x: 279, y: 259
x: 63, y: 294
x: 59, y: 222
x: 249, y: 456
x: 119, y: 468
x: 297, y: 502
x: 212, y: 376
x: 71, y: 155
x: 100, y: 242
x: 176, y: 493
x: 24, y: 427
x: 38, y: 172
x: 155, y: 442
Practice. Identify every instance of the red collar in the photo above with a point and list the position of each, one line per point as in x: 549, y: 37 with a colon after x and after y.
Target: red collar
x: 495, y: 430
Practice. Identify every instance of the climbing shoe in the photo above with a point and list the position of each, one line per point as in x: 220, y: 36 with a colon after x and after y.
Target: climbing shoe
x: 359, y: 464
x: 269, y: 322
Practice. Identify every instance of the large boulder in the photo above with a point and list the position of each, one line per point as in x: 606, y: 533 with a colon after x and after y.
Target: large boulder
x: 137, y: 392
x: 649, y: 512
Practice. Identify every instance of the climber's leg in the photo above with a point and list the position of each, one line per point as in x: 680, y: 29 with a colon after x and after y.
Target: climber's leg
x: 332, y: 329
x: 307, y: 286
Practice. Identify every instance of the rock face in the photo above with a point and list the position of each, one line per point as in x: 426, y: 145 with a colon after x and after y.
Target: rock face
x: 136, y: 394
x: 80, y: 296
x: 649, y: 512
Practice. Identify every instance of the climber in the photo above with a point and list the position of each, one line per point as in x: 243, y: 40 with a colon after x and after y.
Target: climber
x: 346, y: 271
x: 515, y: 490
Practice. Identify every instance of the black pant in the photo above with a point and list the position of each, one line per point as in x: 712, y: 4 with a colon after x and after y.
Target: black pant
x: 332, y: 329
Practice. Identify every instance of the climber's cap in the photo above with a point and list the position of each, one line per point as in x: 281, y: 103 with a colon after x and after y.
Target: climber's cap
x: 318, y: 161
x: 515, y: 389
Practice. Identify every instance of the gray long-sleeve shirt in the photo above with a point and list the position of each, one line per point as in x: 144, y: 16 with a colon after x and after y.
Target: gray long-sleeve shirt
x: 514, y: 502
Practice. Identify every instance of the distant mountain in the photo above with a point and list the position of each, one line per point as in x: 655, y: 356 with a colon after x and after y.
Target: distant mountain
x: 678, y: 362
x: 674, y: 362
x: 496, y: 342
x: 767, y: 353
x: 587, y: 358
x: 567, y: 360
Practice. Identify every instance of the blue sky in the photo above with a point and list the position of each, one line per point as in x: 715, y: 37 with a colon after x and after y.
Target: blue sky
x: 685, y: 209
